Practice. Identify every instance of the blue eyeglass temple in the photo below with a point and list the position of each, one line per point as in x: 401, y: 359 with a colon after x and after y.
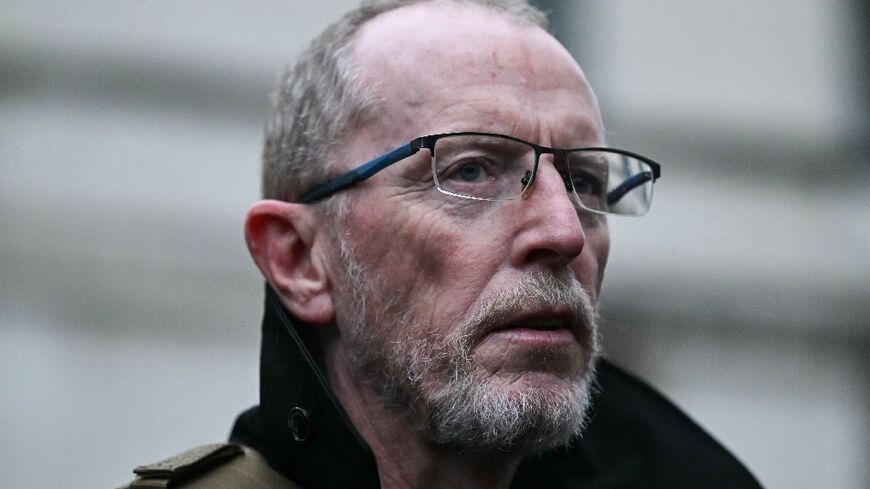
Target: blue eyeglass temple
x: 627, y: 186
x: 366, y: 170
x: 361, y: 172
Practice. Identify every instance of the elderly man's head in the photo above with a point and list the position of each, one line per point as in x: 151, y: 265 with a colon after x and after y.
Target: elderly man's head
x: 459, y: 284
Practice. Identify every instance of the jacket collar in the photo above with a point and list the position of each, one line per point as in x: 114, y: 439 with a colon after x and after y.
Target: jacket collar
x: 636, y: 438
x: 300, y: 427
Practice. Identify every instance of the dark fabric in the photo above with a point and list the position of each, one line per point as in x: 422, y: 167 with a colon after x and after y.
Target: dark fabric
x: 636, y: 439
x: 334, y: 455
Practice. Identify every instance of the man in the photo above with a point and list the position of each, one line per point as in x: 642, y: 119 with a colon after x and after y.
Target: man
x: 431, y: 314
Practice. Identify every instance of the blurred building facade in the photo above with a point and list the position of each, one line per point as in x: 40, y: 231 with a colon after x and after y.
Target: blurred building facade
x: 129, y: 147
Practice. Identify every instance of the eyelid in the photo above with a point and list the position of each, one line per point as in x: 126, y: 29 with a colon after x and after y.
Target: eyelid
x: 457, y: 164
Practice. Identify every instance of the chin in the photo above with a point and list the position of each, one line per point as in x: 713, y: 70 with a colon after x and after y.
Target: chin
x: 524, y: 412
x: 539, y: 381
x: 547, y: 369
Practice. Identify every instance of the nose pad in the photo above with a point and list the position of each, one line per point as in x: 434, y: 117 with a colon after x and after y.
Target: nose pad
x: 566, y: 179
x: 526, y: 178
x: 560, y: 163
x: 527, y: 189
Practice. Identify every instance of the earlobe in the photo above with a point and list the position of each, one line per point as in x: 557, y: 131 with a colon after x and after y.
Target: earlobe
x: 281, y: 238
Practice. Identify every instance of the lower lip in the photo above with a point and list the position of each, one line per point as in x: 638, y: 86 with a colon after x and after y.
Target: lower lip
x: 535, y: 337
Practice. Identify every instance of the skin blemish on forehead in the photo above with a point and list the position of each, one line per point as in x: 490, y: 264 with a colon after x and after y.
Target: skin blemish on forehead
x: 492, y: 72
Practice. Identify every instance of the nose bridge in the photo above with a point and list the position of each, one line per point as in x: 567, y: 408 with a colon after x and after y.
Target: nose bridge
x: 552, y: 166
x: 552, y: 230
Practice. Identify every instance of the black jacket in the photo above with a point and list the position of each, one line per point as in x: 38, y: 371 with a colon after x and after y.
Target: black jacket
x: 636, y: 438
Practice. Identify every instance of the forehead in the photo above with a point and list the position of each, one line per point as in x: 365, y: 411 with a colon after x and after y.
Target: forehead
x: 448, y: 67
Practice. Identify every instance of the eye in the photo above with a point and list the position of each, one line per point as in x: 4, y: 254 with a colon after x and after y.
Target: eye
x: 470, y: 171
x: 585, y: 184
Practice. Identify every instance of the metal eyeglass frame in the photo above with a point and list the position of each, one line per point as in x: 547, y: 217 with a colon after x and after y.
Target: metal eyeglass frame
x: 366, y: 170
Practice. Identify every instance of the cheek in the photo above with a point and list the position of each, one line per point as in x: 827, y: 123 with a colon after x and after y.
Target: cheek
x: 589, y: 266
x: 431, y: 260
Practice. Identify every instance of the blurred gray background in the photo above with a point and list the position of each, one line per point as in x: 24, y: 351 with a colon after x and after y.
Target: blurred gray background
x: 129, y: 152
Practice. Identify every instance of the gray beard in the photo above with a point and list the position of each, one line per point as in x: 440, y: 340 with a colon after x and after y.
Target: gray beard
x: 430, y: 381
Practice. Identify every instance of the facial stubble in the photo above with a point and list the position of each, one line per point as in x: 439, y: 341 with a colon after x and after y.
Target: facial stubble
x: 431, y: 380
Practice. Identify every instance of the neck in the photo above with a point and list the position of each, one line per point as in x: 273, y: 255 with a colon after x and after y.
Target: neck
x: 404, y: 455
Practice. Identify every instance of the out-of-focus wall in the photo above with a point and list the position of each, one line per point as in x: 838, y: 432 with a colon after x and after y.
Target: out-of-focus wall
x: 743, y: 294
x: 129, y: 148
x: 130, y: 135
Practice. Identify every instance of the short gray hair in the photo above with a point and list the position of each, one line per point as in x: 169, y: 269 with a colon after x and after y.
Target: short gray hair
x: 321, y: 97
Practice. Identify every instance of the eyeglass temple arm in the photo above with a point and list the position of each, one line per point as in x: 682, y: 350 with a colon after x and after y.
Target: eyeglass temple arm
x: 360, y: 173
x: 627, y: 186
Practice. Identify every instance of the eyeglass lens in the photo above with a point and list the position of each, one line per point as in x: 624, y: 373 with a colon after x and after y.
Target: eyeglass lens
x: 490, y: 167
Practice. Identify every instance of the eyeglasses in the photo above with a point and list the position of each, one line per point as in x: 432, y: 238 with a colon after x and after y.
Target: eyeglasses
x: 495, y: 167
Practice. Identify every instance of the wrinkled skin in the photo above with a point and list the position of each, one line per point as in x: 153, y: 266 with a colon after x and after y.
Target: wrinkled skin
x: 437, y: 258
x: 445, y: 255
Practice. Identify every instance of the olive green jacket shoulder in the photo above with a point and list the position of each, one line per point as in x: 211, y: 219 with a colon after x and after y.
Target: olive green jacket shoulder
x: 217, y: 466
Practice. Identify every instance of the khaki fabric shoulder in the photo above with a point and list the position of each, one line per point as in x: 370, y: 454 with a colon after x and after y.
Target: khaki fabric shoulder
x: 237, y: 467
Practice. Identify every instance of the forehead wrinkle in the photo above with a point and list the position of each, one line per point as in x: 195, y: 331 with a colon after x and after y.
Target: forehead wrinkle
x: 465, y: 105
x: 476, y: 43
x: 576, y: 128
x: 478, y: 56
x: 475, y: 115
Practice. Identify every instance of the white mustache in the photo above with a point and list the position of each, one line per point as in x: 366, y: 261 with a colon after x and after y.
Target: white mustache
x: 539, y: 290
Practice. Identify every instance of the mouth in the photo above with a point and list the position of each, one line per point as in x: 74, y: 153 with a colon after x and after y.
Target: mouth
x: 539, y: 321
x: 541, y: 329
x: 539, y: 324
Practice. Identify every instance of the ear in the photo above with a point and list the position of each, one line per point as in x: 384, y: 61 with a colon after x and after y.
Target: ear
x: 283, y: 239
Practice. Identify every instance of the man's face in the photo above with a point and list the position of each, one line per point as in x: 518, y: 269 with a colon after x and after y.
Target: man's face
x: 459, y: 301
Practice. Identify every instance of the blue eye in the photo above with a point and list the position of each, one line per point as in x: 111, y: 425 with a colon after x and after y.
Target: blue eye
x: 583, y: 185
x: 470, y: 172
x: 474, y: 173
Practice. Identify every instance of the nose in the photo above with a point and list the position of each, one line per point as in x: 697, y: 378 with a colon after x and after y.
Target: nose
x: 549, y: 230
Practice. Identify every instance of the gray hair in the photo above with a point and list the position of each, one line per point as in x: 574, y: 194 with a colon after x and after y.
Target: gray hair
x: 321, y: 97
